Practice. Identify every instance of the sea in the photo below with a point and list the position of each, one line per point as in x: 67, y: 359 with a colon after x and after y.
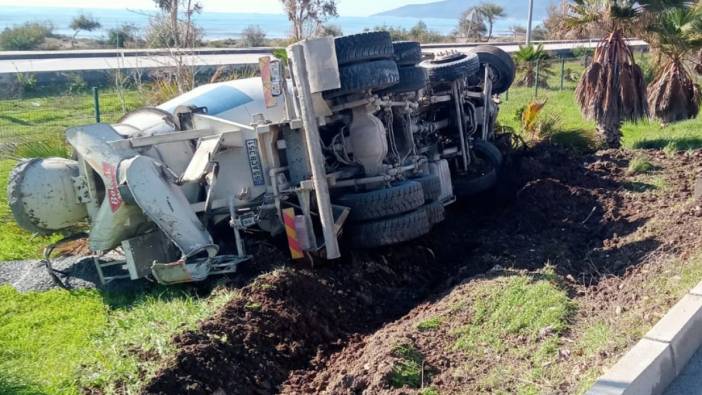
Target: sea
x: 218, y: 25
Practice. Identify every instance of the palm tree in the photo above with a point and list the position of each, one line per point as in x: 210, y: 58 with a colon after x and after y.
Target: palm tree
x: 612, y: 89
x: 471, y: 25
x: 491, y: 12
x: 526, y: 59
x: 675, y: 34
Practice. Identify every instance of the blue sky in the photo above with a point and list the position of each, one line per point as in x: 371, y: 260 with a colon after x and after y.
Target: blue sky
x: 346, y: 7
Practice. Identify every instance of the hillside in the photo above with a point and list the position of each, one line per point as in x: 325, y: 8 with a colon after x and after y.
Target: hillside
x: 450, y: 9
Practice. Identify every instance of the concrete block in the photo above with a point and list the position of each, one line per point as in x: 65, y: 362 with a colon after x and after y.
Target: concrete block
x: 698, y: 289
x: 646, y: 369
x: 681, y: 328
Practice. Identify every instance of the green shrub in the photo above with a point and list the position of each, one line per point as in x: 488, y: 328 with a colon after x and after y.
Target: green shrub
x: 640, y: 165
x: 25, y: 37
x: 118, y: 37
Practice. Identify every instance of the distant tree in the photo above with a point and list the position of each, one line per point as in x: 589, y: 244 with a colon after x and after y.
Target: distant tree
x: 329, y: 30
x: 491, y: 12
x: 396, y: 33
x: 118, y: 37
x: 471, y: 26
x: 173, y: 8
x: 83, y: 22
x: 420, y: 32
x: 253, y: 36
x: 517, y: 31
x: 539, y: 33
x: 307, y: 15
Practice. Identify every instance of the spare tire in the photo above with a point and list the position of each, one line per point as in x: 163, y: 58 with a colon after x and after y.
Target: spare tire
x: 407, y: 53
x: 390, y: 231
x: 359, y: 77
x: 412, y: 79
x: 465, y: 186
x: 397, y: 199
x: 363, y: 47
x: 451, y: 68
x: 501, y: 63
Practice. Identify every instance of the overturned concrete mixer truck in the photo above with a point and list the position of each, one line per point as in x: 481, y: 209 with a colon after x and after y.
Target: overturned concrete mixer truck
x: 354, y: 135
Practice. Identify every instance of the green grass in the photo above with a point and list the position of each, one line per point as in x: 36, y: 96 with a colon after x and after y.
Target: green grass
x: 519, y: 306
x: 43, y: 117
x: 430, y: 324
x: 577, y: 132
x: 407, y: 370
x: 639, y: 165
x: 58, y: 342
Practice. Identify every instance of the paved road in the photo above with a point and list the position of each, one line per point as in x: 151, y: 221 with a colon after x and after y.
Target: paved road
x: 81, y: 61
x: 690, y: 380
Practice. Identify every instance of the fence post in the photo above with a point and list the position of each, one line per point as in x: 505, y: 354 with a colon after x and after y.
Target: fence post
x: 536, y: 82
x: 96, y: 104
x: 562, y: 72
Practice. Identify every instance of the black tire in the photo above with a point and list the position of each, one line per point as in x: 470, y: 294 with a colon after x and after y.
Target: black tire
x: 436, y: 213
x: 500, y: 62
x: 431, y: 185
x: 390, y: 231
x: 464, y: 66
x: 407, y: 53
x: 464, y: 187
x: 360, y: 77
x: 412, y: 79
x: 363, y: 47
x: 397, y: 199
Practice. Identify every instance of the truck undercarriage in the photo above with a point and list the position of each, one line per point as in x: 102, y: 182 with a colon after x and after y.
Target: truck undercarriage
x: 354, y: 136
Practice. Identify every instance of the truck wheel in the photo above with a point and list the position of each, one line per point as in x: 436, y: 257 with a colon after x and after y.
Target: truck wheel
x: 435, y: 213
x: 466, y: 186
x: 451, y: 67
x: 397, y: 199
x: 412, y: 79
x: 390, y: 231
x: 360, y: 77
x: 431, y: 185
x: 407, y: 53
x: 500, y: 62
x: 363, y: 47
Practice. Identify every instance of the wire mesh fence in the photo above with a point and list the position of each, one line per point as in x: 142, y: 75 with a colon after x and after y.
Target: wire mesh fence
x: 34, y: 118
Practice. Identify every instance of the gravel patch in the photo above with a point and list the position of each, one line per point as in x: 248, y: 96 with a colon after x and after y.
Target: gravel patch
x: 80, y: 273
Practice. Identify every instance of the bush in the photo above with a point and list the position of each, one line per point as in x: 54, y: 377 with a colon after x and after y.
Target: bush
x: 25, y: 37
x: 118, y: 37
x: 159, y: 34
x: 253, y: 36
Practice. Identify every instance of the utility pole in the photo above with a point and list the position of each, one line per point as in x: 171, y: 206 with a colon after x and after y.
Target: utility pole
x: 531, y: 18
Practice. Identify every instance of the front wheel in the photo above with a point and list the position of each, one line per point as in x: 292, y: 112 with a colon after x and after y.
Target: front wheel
x: 488, y: 163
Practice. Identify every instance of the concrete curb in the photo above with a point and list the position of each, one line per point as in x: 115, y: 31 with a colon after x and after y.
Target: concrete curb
x: 655, y: 361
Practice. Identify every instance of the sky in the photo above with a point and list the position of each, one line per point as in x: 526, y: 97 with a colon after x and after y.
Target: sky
x: 346, y: 7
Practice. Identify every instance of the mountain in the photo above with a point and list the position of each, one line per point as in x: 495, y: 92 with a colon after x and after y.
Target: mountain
x: 452, y: 9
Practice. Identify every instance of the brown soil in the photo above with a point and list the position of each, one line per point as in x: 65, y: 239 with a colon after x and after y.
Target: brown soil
x: 298, y: 330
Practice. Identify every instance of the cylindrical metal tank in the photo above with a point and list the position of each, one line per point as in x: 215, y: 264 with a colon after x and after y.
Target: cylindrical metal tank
x: 42, y: 196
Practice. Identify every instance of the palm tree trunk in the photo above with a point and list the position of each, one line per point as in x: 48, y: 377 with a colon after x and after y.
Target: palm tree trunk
x: 609, y: 134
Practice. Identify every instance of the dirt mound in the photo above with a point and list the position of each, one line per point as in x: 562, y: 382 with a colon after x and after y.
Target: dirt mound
x: 299, y: 331
x: 285, y: 318
x: 586, y: 217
